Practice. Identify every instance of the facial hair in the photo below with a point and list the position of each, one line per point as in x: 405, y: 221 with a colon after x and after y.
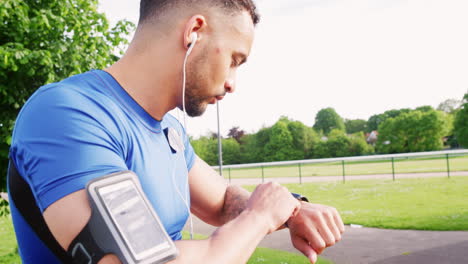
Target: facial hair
x: 195, y: 101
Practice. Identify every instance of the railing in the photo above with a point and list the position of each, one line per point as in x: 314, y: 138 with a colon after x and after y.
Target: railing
x: 344, y: 161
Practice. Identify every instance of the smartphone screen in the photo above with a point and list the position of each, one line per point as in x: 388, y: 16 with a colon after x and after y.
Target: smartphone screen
x: 141, y: 231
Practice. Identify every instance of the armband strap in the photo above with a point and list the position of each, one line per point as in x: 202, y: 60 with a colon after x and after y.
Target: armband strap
x: 84, y: 249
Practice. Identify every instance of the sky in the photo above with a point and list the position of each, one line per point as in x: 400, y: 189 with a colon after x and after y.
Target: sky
x: 361, y: 57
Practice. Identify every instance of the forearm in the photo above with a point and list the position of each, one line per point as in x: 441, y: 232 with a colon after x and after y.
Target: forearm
x: 232, y: 243
x: 235, y: 201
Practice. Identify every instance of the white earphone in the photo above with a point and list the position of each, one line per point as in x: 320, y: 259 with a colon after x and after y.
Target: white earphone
x: 193, y: 41
x: 191, y: 45
x: 193, y: 38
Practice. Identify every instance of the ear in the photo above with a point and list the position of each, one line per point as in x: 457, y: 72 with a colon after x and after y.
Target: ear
x: 196, y: 23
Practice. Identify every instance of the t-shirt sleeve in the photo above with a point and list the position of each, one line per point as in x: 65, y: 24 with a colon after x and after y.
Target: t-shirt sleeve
x: 63, y: 139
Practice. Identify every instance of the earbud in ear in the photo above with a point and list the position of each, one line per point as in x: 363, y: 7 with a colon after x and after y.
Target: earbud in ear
x: 193, y: 38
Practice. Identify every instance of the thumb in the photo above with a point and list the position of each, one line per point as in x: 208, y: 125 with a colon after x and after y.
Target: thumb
x: 304, y: 247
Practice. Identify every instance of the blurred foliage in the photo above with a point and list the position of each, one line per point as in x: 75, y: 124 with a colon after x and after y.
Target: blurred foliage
x: 46, y: 41
x: 326, y: 120
x: 355, y: 125
x: 412, y: 132
x: 461, y: 123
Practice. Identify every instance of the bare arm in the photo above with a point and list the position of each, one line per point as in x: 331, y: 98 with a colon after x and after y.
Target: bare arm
x: 212, y: 199
x: 232, y: 243
x: 312, y: 230
x: 269, y: 206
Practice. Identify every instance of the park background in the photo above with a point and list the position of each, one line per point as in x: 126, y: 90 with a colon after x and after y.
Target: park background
x: 325, y: 79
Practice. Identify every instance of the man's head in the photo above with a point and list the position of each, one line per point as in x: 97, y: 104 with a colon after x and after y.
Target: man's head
x: 225, y: 35
x: 149, y: 9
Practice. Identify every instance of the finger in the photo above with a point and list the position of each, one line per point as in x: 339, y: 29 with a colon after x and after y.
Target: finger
x: 324, y: 230
x: 304, y: 247
x: 332, y: 225
x: 315, y: 240
x: 338, y: 220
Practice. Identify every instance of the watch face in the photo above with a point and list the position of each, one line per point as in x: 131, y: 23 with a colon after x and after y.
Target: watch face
x: 141, y: 231
x: 300, y: 197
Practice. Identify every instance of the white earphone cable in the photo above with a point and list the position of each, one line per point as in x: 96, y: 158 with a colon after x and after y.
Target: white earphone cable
x: 184, y: 79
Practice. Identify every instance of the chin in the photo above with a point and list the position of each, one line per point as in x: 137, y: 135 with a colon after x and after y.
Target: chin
x: 196, y: 112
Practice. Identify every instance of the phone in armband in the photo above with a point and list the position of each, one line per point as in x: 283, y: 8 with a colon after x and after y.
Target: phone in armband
x: 123, y: 223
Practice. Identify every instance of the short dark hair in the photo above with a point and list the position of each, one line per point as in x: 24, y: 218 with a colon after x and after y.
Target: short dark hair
x: 150, y: 8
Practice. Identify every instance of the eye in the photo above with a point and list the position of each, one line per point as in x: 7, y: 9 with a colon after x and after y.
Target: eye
x: 234, y: 62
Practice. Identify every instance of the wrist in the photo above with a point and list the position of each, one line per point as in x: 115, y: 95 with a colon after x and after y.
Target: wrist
x: 263, y: 222
x: 301, y: 199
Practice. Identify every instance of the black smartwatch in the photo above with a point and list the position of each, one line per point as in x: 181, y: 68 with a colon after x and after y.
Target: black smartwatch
x: 300, y: 197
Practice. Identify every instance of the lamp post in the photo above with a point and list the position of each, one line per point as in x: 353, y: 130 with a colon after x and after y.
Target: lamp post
x: 220, y: 146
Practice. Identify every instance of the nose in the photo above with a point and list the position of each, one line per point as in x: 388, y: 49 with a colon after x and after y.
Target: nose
x: 229, y: 86
x: 230, y: 83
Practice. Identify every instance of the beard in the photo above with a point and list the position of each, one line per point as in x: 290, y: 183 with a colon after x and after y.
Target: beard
x: 195, y: 102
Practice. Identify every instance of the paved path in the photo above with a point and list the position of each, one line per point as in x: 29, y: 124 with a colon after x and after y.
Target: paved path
x: 371, y: 245
x: 253, y: 181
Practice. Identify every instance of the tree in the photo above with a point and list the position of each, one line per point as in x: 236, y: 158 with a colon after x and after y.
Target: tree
x: 304, y: 138
x: 412, y: 132
x: 280, y: 145
x: 461, y: 123
x: 207, y: 149
x: 327, y: 119
x: 449, y: 105
x: 236, y: 133
x: 336, y: 145
x: 339, y: 144
x: 231, y: 151
x: 358, y: 145
x: 374, y: 121
x: 45, y: 41
x: 424, y: 108
x: 355, y: 125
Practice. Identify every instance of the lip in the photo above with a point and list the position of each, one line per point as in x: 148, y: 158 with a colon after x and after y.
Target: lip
x: 219, y: 98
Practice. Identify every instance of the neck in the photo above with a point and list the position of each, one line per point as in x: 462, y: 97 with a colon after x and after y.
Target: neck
x: 151, y: 77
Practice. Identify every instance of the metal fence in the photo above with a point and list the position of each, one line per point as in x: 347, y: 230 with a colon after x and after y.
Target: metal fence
x: 302, y: 168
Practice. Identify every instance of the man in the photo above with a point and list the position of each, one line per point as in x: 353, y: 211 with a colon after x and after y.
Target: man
x: 101, y: 122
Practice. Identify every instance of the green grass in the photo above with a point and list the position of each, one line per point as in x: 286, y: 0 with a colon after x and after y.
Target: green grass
x: 267, y: 255
x: 8, y: 252
x: 271, y: 256
x: 402, y: 165
x: 420, y: 204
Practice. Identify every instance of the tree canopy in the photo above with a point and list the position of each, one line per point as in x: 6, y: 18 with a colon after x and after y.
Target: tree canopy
x: 327, y: 119
x: 412, y: 132
x: 461, y: 123
x: 355, y: 125
x: 46, y: 41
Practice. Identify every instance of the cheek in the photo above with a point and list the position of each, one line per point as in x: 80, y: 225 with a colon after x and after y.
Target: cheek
x: 220, y: 67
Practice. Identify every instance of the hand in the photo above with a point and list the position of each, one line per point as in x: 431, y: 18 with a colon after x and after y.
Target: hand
x: 275, y: 203
x: 315, y: 228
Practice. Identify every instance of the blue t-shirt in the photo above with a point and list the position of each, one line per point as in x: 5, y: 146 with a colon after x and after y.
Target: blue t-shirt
x: 88, y: 126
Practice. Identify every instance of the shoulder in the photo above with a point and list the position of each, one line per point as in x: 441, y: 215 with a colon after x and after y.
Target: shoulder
x: 76, y: 98
x: 71, y: 110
